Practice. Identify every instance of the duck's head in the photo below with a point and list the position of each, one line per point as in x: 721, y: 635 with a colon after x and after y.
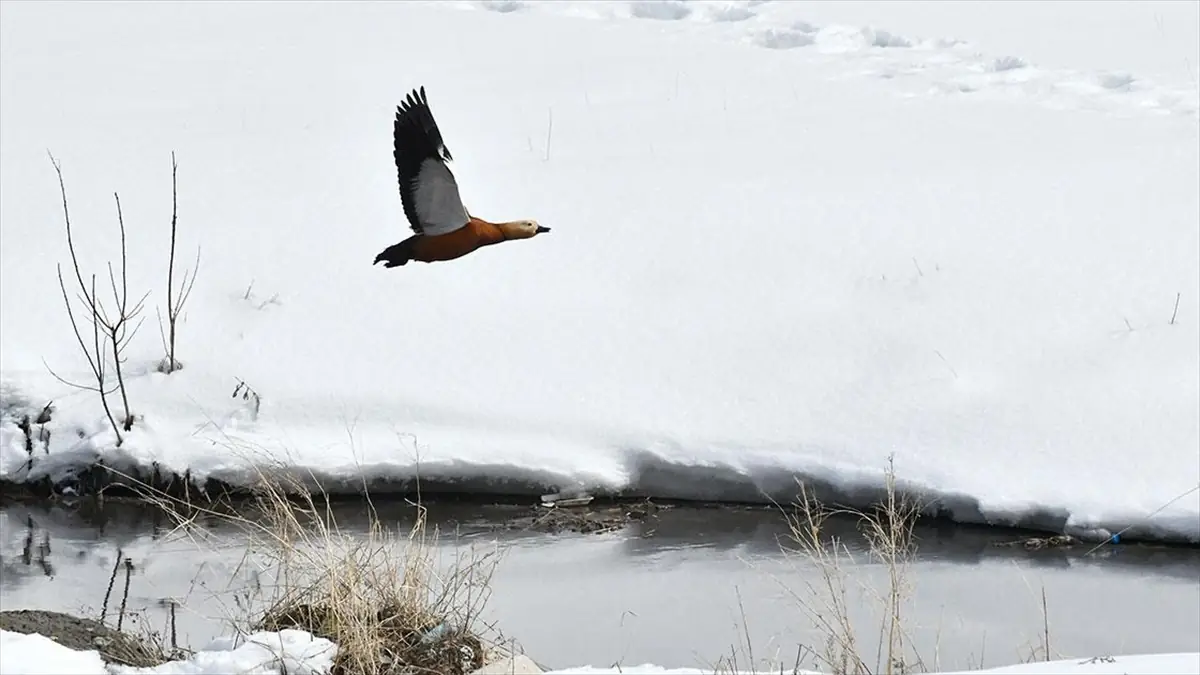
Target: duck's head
x: 522, y: 229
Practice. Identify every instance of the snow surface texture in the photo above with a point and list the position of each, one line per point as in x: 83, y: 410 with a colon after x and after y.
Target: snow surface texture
x: 1081, y: 59
x: 294, y: 651
x: 787, y: 242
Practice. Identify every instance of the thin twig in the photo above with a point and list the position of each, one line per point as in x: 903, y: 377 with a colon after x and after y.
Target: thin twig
x: 66, y: 217
x: 99, y: 347
x: 116, y: 330
x: 1117, y: 536
x: 175, y: 303
x: 745, y: 627
x: 171, y: 269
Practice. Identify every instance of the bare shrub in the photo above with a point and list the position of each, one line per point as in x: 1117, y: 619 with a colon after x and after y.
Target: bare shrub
x: 112, y: 327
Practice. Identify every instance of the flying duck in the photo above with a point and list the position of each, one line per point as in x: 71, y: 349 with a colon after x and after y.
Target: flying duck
x: 444, y: 230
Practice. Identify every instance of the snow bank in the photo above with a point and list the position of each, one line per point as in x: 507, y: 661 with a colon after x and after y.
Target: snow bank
x: 771, y: 259
x: 266, y: 653
x: 39, y: 655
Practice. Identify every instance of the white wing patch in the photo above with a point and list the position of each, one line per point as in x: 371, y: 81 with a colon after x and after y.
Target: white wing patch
x: 436, y: 201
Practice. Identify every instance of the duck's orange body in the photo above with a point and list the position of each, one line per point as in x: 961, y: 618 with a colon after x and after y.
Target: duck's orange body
x: 443, y: 228
x: 476, y: 234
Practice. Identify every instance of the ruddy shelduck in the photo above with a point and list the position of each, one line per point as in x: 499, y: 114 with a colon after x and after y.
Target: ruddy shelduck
x: 444, y: 230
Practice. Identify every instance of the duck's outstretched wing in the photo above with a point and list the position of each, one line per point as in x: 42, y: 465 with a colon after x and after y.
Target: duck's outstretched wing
x: 428, y: 190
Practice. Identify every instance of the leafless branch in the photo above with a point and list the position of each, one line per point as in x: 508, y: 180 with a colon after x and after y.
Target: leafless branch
x: 116, y: 331
x: 175, y: 304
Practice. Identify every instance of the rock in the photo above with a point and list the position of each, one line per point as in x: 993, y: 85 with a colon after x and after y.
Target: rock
x: 513, y: 664
x: 84, y: 635
x: 504, y: 661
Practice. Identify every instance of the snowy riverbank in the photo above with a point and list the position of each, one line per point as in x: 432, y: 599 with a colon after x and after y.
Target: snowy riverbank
x: 784, y: 246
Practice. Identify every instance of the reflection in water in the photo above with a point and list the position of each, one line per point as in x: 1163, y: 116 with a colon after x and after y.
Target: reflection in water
x: 32, y: 556
x: 676, y: 589
x: 43, y: 550
x: 758, y: 530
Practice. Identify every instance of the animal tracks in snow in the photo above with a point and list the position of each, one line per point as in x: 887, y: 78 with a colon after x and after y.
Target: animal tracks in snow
x: 914, y: 65
x: 663, y: 10
x: 502, y: 6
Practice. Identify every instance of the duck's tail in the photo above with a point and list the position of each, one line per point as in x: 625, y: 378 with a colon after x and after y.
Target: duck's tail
x: 395, y: 255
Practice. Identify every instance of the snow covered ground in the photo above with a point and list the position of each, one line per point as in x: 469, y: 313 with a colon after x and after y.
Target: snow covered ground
x: 1138, y: 664
x: 789, y: 239
x: 287, y: 651
x: 293, y: 651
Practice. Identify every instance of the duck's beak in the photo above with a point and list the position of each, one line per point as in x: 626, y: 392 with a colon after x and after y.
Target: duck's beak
x: 541, y: 229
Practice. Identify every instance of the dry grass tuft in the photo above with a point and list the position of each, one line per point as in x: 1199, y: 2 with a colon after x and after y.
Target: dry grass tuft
x: 826, y: 600
x: 380, y: 595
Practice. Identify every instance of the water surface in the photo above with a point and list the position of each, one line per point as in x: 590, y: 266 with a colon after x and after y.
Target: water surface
x: 686, y: 587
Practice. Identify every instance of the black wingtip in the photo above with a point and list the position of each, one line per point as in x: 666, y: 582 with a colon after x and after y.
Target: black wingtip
x: 412, y: 104
x: 412, y: 99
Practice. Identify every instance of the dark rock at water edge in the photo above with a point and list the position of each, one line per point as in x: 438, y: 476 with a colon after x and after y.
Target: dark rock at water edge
x: 81, y: 634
